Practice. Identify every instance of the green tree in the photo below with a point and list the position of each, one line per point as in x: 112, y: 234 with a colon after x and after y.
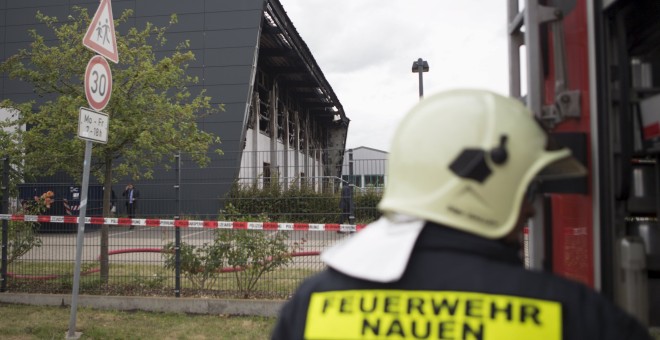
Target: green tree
x: 153, y: 114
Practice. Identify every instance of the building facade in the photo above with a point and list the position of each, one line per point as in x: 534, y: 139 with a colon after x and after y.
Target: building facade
x: 282, y: 118
x: 365, y: 167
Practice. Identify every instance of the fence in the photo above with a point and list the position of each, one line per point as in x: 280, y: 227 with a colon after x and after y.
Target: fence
x: 222, y: 259
x: 311, y: 189
x: 262, y: 241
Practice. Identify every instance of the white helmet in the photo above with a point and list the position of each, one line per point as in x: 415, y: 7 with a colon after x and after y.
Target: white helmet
x: 465, y: 159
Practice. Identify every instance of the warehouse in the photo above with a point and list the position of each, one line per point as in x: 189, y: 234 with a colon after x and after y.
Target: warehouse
x: 282, y: 118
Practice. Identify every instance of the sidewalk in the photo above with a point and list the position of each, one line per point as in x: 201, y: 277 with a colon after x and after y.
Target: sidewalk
x: 267, y: 308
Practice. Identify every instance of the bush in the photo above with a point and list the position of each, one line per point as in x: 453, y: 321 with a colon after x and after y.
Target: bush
x: 22, y: 235
x: 366, y: 203
x: 247, y: 253
x: 252, y: 253
x: 200, y: 265
x: 296, y: 204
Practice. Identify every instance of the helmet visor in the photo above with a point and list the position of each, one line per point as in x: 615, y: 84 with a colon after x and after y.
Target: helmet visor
x: 566, y: 167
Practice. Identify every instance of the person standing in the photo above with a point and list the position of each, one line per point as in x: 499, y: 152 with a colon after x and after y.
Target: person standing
x: 132, y: 195
x: 346, y: 204
x: 444, y: 260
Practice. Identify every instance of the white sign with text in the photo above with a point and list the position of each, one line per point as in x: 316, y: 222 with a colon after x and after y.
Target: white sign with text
x: 93, y: 125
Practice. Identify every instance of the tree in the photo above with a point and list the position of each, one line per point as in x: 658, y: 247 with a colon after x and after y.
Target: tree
x: 152, y: 111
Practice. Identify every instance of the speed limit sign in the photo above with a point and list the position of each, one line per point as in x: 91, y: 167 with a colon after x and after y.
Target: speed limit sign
x: 98, y: 83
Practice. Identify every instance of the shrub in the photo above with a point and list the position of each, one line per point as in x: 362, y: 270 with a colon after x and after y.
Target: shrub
x: 252, y: 253
x: 22, y: 235
x: 247, y: 253
x: 200, y: 265
x: 297, y: 203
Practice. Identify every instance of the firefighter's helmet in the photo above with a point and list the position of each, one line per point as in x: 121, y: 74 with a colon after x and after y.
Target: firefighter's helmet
x: 465, y: 159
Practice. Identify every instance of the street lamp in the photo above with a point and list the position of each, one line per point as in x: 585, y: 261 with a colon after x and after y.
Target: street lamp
x: 420, y: 66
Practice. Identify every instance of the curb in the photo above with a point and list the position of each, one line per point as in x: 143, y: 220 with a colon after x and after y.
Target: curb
x: 265, y: 308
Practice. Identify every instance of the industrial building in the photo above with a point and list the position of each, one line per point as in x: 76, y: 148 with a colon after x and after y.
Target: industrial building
x: 282, y: 118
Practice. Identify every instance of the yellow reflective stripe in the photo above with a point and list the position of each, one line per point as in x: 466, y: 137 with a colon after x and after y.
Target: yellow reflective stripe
x: 404, y: 314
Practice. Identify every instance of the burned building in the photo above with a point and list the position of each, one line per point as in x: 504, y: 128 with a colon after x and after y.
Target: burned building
x: 282, y: 119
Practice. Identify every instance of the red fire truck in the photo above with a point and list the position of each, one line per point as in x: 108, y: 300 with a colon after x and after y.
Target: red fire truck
x: 590, y: 70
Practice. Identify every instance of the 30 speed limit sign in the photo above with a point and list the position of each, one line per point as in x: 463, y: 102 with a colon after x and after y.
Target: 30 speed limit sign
x: 98, y: 83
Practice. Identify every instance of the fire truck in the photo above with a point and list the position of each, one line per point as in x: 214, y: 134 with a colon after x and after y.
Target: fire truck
x: 590, y: 71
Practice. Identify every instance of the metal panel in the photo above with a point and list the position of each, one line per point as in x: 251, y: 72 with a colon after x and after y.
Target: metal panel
x: 227, y: 75
x: 33, y: 3
x: 246, y: 37
x: 228, y: 56
x: 13, y: 87
x: 167, y: 7
x: 186, y: 22
x: 232, y: 20
x: 233, y: 5
x: 174, y: 39
x: 197, y: 62
x: 228, y: 93
x: 21, y: 33
x: 26, y: 16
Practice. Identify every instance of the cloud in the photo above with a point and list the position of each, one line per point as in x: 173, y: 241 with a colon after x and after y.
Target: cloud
x: 366, y: 49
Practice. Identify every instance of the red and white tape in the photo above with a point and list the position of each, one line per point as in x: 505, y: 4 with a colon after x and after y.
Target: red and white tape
x: 150, y: 222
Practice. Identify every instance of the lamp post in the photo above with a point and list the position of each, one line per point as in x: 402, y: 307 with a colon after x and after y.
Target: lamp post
x: 420, y: 66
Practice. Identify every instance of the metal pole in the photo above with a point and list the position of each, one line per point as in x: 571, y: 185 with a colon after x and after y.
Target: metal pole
x: 420, y: 66
x: 351, y: 216
x: 79, y: 241
x: 177, y: 230
x: 5, y: 223
x: 420, y: 69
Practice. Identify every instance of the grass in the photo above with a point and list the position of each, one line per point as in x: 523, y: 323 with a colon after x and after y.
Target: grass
x: 148, y: 280
x: 22, y: 322
x: 655, y: 333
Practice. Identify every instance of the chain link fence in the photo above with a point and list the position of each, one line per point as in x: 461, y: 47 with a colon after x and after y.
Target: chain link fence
x: 146, y: 260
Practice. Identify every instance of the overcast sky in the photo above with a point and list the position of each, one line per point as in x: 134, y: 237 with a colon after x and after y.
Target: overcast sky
x: 366, y: 49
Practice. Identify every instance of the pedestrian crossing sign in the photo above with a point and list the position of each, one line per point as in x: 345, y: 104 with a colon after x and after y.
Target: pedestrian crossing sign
x: 100, y: 36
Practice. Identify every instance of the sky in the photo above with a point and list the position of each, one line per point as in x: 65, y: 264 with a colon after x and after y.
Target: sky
x: 366, y: 49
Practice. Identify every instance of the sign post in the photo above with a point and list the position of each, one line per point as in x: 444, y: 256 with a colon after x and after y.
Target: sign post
x: 93, y: 125
x: 72, y: 334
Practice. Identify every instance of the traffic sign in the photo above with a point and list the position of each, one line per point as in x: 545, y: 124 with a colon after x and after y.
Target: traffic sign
x: 100, y: 36
x: 98, y: 83
x: 93, y: 126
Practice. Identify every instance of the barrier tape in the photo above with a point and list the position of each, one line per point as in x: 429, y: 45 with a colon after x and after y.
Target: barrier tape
x: 150, y: 222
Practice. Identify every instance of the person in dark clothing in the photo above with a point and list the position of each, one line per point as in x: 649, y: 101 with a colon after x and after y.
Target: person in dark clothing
x: 346, y: 204
x: 132, y: 195
x: 113, y: 202
x: 444, y: 260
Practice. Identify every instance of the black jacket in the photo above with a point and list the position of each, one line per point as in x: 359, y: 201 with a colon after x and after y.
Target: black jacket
x: 456, y: 286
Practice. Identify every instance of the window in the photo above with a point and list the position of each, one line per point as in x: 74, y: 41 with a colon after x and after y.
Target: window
x: 266, y: 174
x: 374, y: 180
x: 356, y: 180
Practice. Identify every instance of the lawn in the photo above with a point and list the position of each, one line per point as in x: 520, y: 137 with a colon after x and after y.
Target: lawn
x: 39, y: 322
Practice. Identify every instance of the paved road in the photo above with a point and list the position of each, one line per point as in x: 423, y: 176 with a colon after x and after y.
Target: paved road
x: 62, y: 246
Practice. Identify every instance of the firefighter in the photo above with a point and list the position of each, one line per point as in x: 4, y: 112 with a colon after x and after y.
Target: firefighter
x: 444, y: 260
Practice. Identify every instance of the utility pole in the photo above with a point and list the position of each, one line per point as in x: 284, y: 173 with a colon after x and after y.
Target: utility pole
x: 420, y: 66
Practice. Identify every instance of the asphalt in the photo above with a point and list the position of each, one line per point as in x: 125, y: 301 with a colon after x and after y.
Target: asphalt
x: 267, y: 308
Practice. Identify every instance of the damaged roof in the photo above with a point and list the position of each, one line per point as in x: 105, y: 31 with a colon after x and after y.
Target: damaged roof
x: 284, y: 53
